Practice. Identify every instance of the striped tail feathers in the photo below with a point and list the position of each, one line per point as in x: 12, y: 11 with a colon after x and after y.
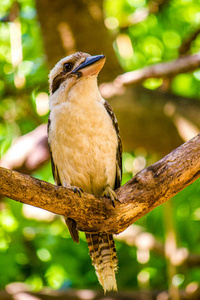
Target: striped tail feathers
x: 104, y: 258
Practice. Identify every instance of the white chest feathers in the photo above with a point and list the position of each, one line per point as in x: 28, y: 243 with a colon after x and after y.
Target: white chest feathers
x: 84, y: 144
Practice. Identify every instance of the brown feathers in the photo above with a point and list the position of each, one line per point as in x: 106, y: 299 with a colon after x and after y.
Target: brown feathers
x: 104, y: 259
x: 85, y: 147
x: 119, y: 148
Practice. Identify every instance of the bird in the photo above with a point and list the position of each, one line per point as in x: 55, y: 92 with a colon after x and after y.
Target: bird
x: 85, y: 148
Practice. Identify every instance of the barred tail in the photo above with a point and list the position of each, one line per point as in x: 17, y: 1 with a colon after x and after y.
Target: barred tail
x: 104, y: 259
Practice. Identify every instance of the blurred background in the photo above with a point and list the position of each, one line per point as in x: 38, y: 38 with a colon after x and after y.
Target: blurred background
x: 159, y: 256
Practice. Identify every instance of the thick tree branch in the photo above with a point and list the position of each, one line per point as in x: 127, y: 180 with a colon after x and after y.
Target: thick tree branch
x: 28, y: 152
x: 147, y: 190
x: 168, y: 69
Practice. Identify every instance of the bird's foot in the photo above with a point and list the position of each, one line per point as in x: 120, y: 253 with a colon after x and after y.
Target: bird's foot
x: 76, y: 189
x: 108, y: 192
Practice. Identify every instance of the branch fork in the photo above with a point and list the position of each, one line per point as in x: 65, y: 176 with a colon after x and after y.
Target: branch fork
x: 145, y: 191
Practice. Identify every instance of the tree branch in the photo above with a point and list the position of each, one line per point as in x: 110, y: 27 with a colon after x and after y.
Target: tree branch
x: 168, y: 69
x: 185, y: 47
x: 148, y: 189
x: 28, y: 152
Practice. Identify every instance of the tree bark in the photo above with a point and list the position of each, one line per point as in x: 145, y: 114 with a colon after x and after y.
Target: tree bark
x: 183, y: 64
x: 148, y: 189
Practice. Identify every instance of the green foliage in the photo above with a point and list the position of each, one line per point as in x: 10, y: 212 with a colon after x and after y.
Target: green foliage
x: 157, y: 38
x: 18, y: 114
x: 35, y: 247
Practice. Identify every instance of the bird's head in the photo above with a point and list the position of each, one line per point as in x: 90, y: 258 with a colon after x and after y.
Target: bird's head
x: 73, y: 70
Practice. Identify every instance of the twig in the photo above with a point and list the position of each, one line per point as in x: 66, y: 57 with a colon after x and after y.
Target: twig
x: 185, y: 47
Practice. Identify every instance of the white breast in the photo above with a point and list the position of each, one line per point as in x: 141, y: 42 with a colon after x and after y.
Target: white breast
x: 83, y: 144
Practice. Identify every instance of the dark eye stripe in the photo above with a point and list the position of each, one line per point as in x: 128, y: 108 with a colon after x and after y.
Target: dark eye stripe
x: 57, y: 82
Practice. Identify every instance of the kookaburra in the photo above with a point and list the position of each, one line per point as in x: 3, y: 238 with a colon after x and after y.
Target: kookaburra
x: 85, y: 147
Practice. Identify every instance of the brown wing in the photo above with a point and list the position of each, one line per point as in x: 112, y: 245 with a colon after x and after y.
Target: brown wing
x: 70, y: 222
x: 53, y: 166
x: 119, y: 148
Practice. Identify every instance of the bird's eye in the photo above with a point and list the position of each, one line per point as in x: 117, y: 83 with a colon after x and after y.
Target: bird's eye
x: 67, y: 67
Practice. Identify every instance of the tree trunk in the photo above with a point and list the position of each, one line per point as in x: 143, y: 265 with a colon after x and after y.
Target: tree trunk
x: 70, y: 26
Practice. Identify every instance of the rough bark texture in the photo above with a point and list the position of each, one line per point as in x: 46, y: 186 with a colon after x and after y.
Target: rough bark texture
x: 148, y: 189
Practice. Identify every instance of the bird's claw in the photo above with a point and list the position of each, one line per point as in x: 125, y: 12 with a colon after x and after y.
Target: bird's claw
x: 76, y: 189
x: 108, y: 192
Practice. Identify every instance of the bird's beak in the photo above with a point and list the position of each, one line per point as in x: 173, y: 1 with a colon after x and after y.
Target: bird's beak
x: 91, y: 66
